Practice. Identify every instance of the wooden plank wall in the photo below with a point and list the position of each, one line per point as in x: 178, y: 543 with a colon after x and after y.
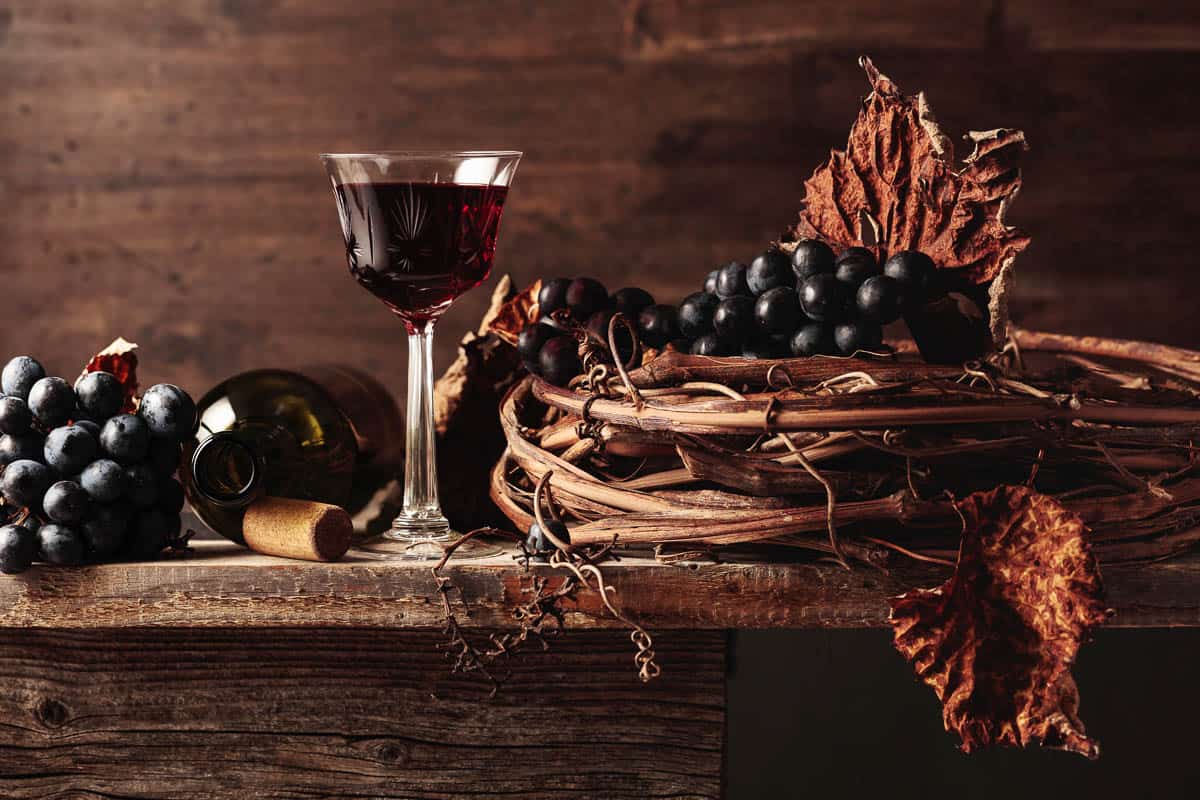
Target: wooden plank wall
x: 158, y: 171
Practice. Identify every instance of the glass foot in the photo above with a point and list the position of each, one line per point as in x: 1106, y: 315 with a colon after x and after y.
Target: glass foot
x: 406, y: 546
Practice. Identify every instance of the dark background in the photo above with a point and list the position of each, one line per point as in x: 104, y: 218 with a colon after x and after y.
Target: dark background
x: 159, y: 177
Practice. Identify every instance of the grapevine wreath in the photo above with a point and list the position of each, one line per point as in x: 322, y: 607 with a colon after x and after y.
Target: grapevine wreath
x: 784, y: 409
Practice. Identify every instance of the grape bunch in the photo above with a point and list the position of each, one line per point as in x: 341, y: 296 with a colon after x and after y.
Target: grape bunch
x: 82, y: 481
x: 811, y: 303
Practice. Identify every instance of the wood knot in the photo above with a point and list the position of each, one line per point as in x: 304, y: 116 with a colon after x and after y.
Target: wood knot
x: 389, y: 752
x: 50, y: 713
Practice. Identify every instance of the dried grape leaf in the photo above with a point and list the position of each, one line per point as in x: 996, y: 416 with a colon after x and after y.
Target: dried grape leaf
x: 895, y: 187
x: 518, y: 311
x: 120, y: 359
x: 996, y: 642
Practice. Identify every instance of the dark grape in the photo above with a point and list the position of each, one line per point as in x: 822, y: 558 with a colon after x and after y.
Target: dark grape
x: 814, y: 339
x: 69, y: 449
x: 52, y: 401
x: 855, y: 253
x: 66, y: 503
x: 710, y: 283
x: 538, y: 543
x: 731, y: 280
x: 823, y: 298
x: 553, y: 295
x: 658, y: 324
x: 104, y: 531
x: 769, y: 271
x: 778, y: 310
x: 19, y: 376
x: 170, y: 496
x: 125, y: 439
x: 168, y: 411
x: 734, y: 318
x: 15, y: 416
x: 18, y: 548
x: 586, y: 296
x: 760, y: 347
x: 712, y: 345
x: 104, y: 480
x: 880, y: 298
x: 25, y: 482
x: 597, y: 328
x: 148, y: 534
x: 91, y: 427
x: 630, y: 301
x: 530, y: 341
x: 696, y: 314
x: 559, y: 360
x: 59, y: 544
x: 14, y: 447
x: 100, y: 395
x: 141, y: 485
x: 853, y: 270
x: 811, y: 257
x: 861, y: 334
x: 164, y: 455
x: 915, y: 271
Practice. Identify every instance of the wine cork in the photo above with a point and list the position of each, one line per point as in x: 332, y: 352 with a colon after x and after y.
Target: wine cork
x: 301, y: 529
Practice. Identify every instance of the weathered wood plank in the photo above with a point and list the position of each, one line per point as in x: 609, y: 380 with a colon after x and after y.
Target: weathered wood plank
x: 322, y: 713
x: 224, y: 586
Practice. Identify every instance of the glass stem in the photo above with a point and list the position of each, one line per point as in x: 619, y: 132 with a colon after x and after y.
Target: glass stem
x: 422, y: 516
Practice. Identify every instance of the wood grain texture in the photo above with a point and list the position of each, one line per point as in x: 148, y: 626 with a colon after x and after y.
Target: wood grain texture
x: 166, y: 149
x: 322, y: 713
x: 224, y: 586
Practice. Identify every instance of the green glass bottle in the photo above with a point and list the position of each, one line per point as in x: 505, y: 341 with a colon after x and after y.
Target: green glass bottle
x: 330, y: 434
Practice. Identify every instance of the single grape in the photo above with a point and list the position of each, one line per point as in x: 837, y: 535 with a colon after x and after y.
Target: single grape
x: 861, y: 334
x: 710, y: 283
x: 630, y: 301
x: 25, y: 482
x: 597, y: 328
x: 586, y: 296
x: 168, y: 411
x: 734, y: 318
x: 18, y: 548
x: 141, y: 485
x: 530, y: 341
x: 658, y: 324
x: 100, y: 395
x: 52, y: 401
x: 104, y: 531
x: 823, y: 298
x: 853, y: 270
x: 559, y: 360
x: 712, y: 345
x: 765, y: 347
x: 170, y: 496
x: 104, y: 480
x: 539, y: 544
x: 597, y: 324
x: 15, y: 416
x: 768, y: 271
x: 553, y: 295
x: 880, y: 298
x: 66, y: 503
x: 69, y: 449
x: 731, y: 280
x: 14, y: 447
x: 91, y: 427
x: 915, y: 271
x: 164, y: 455
x: 814, y: 339
x: 778, y: 310
x: 60, y: 544
x: 696, y: 314
x: 148, y: 534
x: 125, y: 439
x: 855, y: 253
x: 811, y: 257
x: 19, y: 376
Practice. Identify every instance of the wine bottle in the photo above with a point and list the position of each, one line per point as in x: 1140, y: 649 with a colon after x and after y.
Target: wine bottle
x: 329, y: 434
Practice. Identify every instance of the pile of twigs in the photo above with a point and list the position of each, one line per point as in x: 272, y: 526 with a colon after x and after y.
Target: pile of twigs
x: 857, y: 458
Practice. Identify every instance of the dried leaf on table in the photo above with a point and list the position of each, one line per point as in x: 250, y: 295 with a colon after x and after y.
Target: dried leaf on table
x: 120, y: 359
x: 997, y: 641
x: 518, y: 310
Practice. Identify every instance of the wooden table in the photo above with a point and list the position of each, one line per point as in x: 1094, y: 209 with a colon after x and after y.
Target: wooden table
x: 229, y: 674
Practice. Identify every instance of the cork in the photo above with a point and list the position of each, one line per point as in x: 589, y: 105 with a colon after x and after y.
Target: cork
x: 300, y: 529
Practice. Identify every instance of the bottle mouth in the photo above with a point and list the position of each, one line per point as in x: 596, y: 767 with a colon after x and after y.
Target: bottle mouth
x: 225, y: 471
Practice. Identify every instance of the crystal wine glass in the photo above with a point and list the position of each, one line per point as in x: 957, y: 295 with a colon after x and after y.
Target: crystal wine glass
x: 420, y: 229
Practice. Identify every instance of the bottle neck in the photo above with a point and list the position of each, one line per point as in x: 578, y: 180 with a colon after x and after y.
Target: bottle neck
x: 227, y: 470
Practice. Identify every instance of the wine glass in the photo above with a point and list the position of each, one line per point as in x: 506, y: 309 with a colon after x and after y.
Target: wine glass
x: 420, y: 229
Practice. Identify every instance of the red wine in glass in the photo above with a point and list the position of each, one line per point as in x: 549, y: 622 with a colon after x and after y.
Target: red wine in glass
x: 417, y: 246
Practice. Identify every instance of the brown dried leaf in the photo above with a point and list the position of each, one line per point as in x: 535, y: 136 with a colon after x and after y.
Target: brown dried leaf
x: 517, y: 312
x: 895, y: 188
x: 120, y: 359
x: 997, y: 641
